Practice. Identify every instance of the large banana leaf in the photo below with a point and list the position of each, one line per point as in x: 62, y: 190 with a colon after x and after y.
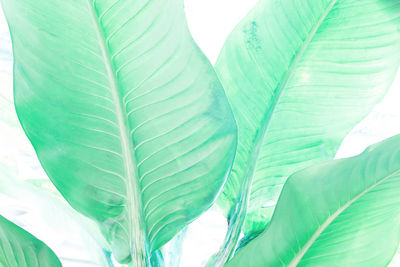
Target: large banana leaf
x: 19, y: 248
x: 339, y: 213
x: 125, y: 113
x: 299, y: 75
x: 26, y: 194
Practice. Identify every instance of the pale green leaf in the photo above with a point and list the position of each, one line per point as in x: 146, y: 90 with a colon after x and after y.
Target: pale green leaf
x: 26, y: 193
x: 299, y: 75
x: 39, y: 204
x: 125, y: 113
x: 339, y: 213
x: 19, y: 248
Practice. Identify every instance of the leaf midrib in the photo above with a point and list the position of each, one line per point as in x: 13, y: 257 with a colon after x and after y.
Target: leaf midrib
x: 138, y: 235
x: 332, y: 217
x: 242, y: 201
x: 262, y: 133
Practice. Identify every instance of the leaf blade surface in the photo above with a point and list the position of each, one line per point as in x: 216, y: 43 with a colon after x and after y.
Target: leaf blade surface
x: 343, y: 212
x: 19, y: 248
x: 125, y: 113
x: 311, y: 70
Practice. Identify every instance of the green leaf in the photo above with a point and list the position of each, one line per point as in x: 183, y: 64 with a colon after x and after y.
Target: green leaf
x: 19, y: 248
x: 126, y: 114
x: 41, y: 203
x: 27, y: 192
x: 343, y: 213
x: 299, y: 75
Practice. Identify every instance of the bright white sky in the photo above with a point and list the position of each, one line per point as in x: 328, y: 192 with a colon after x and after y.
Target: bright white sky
x: 210, y: 22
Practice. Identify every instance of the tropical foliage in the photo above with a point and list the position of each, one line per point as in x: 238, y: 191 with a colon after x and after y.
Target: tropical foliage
x: 140, y: 134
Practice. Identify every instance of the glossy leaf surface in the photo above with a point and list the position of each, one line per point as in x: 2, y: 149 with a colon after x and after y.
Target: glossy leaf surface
x: 339, y: 213
x: 19, y: 248
x: 299, y: 75
x: 125, y: 113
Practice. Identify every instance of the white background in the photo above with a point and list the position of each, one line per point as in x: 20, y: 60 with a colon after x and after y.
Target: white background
x: 210, y: 22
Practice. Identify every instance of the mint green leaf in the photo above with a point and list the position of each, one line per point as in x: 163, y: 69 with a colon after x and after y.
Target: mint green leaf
x: 19, y: 248
x: 125, y: 113
x: 339, y: 213
x: 39, y: 203
x: 299, y: 75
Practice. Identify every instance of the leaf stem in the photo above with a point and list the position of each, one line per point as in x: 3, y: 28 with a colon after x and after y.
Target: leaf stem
x: 175, y: 248
x: 107, y: 256
x: 236, y: 219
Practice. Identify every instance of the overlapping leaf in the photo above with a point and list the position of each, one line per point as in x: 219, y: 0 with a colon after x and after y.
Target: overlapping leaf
x: 299, y: 75
x: 19, y: 248
x: 26, y: 195
x: 125, y: 113
x: 340, y: 213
